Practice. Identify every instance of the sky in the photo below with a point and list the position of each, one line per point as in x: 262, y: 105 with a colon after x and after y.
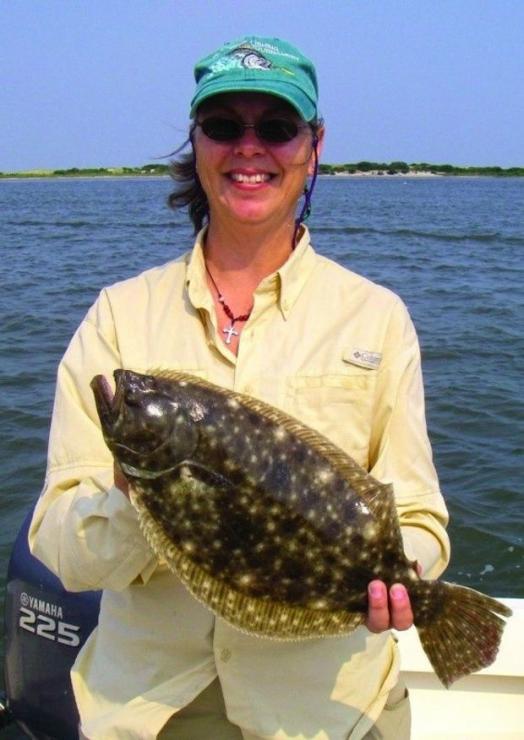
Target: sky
x: 103, y: 83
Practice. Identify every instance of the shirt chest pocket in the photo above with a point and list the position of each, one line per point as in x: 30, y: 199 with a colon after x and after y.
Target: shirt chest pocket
x: 340, y: 406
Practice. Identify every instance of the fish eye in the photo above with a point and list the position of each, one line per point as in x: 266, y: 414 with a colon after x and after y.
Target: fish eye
x: 154, y: 409
x: 197, y: 411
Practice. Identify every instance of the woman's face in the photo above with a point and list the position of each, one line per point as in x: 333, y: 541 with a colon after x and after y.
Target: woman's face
x: 249, y: 180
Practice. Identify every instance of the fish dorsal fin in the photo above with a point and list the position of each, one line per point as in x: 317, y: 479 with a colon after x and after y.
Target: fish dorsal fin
x: 375, y: 494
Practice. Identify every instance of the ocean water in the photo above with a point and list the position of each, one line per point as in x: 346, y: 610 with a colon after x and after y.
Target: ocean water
x: 453, y: 248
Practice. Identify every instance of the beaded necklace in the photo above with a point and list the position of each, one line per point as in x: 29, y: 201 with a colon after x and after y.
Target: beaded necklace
x: 229, y: 331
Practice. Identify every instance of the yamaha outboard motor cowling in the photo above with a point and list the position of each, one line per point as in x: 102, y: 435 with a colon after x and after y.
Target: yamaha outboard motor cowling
x: 45, y: 626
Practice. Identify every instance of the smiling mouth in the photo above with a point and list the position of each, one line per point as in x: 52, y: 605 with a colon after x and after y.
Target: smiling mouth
x: 251, y: 179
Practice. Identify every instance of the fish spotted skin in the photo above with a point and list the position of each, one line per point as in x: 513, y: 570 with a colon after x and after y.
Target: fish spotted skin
x: 258, y: 502
x: 266, y: 522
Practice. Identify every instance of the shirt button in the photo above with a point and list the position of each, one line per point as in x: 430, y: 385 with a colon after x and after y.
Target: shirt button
x: 225, y: 655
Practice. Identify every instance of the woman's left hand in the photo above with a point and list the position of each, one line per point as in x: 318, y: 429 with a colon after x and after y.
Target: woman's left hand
x: 386, y: 611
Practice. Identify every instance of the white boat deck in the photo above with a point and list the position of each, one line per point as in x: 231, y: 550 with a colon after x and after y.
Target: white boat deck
x: 488, y: 704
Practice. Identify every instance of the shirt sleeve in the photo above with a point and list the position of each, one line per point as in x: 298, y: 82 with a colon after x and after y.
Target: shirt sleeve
x: 84, y: 528
x: 400, y: 451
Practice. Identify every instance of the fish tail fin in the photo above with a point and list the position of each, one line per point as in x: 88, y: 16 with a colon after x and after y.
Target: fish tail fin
x: 460, y: 629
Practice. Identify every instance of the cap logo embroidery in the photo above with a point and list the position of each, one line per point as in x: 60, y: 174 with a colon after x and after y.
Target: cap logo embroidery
x: 242, y: 56
x: 251, y: 59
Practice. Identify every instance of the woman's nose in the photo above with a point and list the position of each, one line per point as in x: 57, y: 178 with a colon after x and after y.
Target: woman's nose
x: 249, y: 143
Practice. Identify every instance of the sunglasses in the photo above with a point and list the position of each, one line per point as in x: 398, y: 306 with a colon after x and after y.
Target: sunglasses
x: 269, y: 130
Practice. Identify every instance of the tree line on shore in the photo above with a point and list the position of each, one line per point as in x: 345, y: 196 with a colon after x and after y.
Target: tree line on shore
x: 358, y: 168
x: 403, y: 168
x: 147, y: 169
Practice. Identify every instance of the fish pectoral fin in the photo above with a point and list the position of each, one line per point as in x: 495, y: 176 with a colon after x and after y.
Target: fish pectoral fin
x: 184, y: 471
x: 189, y: 470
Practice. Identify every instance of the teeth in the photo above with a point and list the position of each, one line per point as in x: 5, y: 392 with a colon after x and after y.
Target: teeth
x: 238, y: 177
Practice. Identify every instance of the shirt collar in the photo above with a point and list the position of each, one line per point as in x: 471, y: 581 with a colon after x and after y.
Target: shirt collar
x: 295, y: 272
x: 288, y: 281
x: 196, y: 274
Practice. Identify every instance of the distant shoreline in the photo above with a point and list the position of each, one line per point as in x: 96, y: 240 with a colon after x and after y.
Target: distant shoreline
x: 421, y: 169
x: 358, y: 169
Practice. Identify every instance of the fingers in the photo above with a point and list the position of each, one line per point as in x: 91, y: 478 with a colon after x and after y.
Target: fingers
x: 385, y: 612
x: 378, y: 607
x: 401, y: 612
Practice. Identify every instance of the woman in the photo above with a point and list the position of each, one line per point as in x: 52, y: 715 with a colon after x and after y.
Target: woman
x: 254, y: 309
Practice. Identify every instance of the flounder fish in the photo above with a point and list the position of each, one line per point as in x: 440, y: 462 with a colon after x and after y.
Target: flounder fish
x: 269, y: 524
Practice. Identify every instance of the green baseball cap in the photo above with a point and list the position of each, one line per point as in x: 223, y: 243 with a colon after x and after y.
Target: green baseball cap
x: 256, y: 64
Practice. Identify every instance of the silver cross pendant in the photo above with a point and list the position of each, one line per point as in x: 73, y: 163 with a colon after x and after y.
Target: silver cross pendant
x: 230, y: 331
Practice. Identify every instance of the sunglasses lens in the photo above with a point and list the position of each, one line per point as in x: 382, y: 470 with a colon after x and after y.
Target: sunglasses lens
x: 222, y: 129
x: 272, y: 130
x: 277, y: 130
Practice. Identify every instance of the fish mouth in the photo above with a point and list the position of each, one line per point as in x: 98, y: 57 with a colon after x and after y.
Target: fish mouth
x: 109, y: 404
x: 118, y: 411
x: 106, y: 401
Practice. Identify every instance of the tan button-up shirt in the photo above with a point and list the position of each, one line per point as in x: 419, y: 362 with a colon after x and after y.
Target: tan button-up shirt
x: 323, y: 344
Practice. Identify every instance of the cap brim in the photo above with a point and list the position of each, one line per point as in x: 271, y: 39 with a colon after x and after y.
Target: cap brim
x: 279, y: 89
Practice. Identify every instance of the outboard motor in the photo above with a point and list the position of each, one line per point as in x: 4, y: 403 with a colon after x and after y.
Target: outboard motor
x: 45, y: 626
